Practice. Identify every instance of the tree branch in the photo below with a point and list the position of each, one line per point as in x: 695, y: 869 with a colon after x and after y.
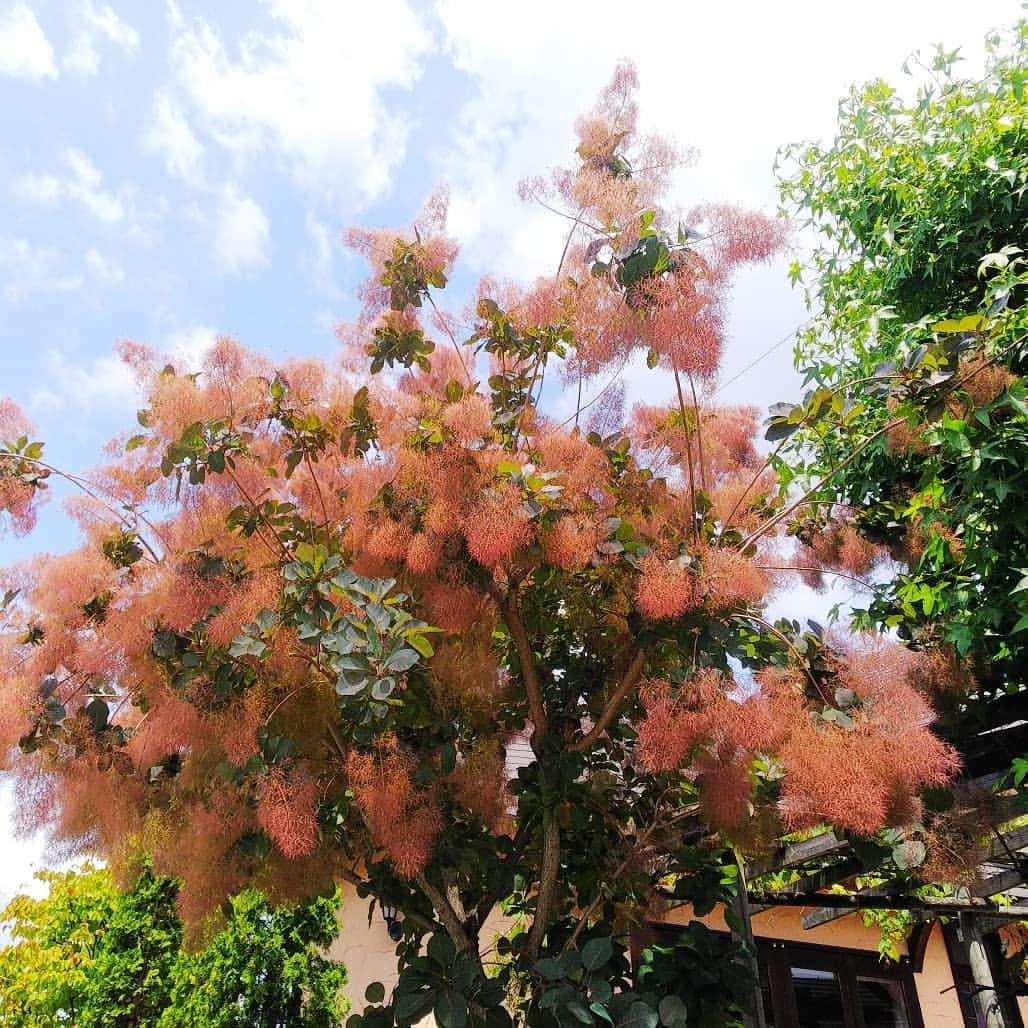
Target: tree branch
x: 820, y: 571
x: 508, y: 605
x: 412, y: 915
x: 789, y: 645
x: 90, y: 491
x: 634, y: 850
x: 446, y: 914
x: 822, y: 482
x: 688, y: 455
x: 635, y: 670
x: 549, y: 872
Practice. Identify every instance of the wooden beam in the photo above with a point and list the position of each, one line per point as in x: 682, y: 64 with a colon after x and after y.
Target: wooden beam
x: 823, y: 878
x: 1001, y: 882
x: 827, y: 913
x: 873, y: 899
x: 1013, y: 841
x: 794, y: 853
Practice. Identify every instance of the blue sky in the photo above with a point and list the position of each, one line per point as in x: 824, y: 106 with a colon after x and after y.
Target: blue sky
x: 169, y: 171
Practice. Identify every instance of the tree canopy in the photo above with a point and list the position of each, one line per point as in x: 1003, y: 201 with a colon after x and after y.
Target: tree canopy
x: 919, y: 324
x: 88, y: 954
x: 316, y: 602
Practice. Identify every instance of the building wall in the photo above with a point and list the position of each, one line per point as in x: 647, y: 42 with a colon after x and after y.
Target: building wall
x: 369, y: 954
x: 366, y: 950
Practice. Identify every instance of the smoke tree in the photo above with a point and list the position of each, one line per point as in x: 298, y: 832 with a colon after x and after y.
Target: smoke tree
x: 316, y: 602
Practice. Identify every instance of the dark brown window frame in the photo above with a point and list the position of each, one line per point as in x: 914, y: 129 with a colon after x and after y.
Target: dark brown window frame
x: 779, y: 956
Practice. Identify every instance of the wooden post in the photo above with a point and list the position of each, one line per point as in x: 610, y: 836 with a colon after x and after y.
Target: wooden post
x: 741, y: 905
x: 985, y: 1000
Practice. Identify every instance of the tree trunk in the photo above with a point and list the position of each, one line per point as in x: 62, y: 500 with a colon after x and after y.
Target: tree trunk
x: 755, y: 1017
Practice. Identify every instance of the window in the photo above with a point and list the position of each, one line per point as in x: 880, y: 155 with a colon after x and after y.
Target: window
x: 806, y: 986
x: 817, y: 987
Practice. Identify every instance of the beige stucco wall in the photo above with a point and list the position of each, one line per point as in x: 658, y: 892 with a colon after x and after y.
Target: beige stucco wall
x: 369, y: 954
x: 367, y: 951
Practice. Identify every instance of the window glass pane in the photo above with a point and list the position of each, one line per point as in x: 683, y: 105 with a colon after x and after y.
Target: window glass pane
x: 818, y: 998
x: 881, y: 1003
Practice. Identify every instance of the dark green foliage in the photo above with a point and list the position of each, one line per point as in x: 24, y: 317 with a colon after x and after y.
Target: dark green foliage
x: 263, y: 969
x: 918, y: 287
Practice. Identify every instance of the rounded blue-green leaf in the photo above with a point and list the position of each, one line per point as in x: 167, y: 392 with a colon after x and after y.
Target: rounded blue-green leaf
x: 451, y: 1009
x: 596, y: 952
x: 673, y: 1012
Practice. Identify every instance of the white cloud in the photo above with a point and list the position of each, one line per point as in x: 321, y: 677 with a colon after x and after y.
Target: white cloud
x: 43, y: 188
x: 321, y: 255
x: 187, y: 347
x: 104, y: 384
x: 106, y: 270
x: 83, y: 184
x: 25, y: 52
x: 713, y: 81
x: 20, y: 857
x: 310, y: 90
x: 28, y: 268
x: 94, y: 25
x: 171, y: 138
x: 86, y: 187
x: 242, y: 235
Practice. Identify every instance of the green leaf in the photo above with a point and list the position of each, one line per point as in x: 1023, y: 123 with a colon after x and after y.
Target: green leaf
x: 97, y: 712
x: 910, y: 854
x: 673, y: 1012
x: 165, y: 644
x: 383, y: 688
x: 441, y: 949
x: 305, y: 552
x: 375, y: 992
x: 419, y: 643
x: 412, y: 1006
x: 451, y: 1009
x: 840, y: 717
x: 350, y: 685
x: 639, y: 1015
x: 972, y: 323
x: 401, y: 660
x: 549, y: 968
x: 596, y: 952
x: 247, y: 646
x: 378, y: 615
x: 578, y: 1010
x: 779, y: 428
x: 845, y: 697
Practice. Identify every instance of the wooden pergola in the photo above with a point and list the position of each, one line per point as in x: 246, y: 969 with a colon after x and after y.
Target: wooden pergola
x: 828, y: 859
